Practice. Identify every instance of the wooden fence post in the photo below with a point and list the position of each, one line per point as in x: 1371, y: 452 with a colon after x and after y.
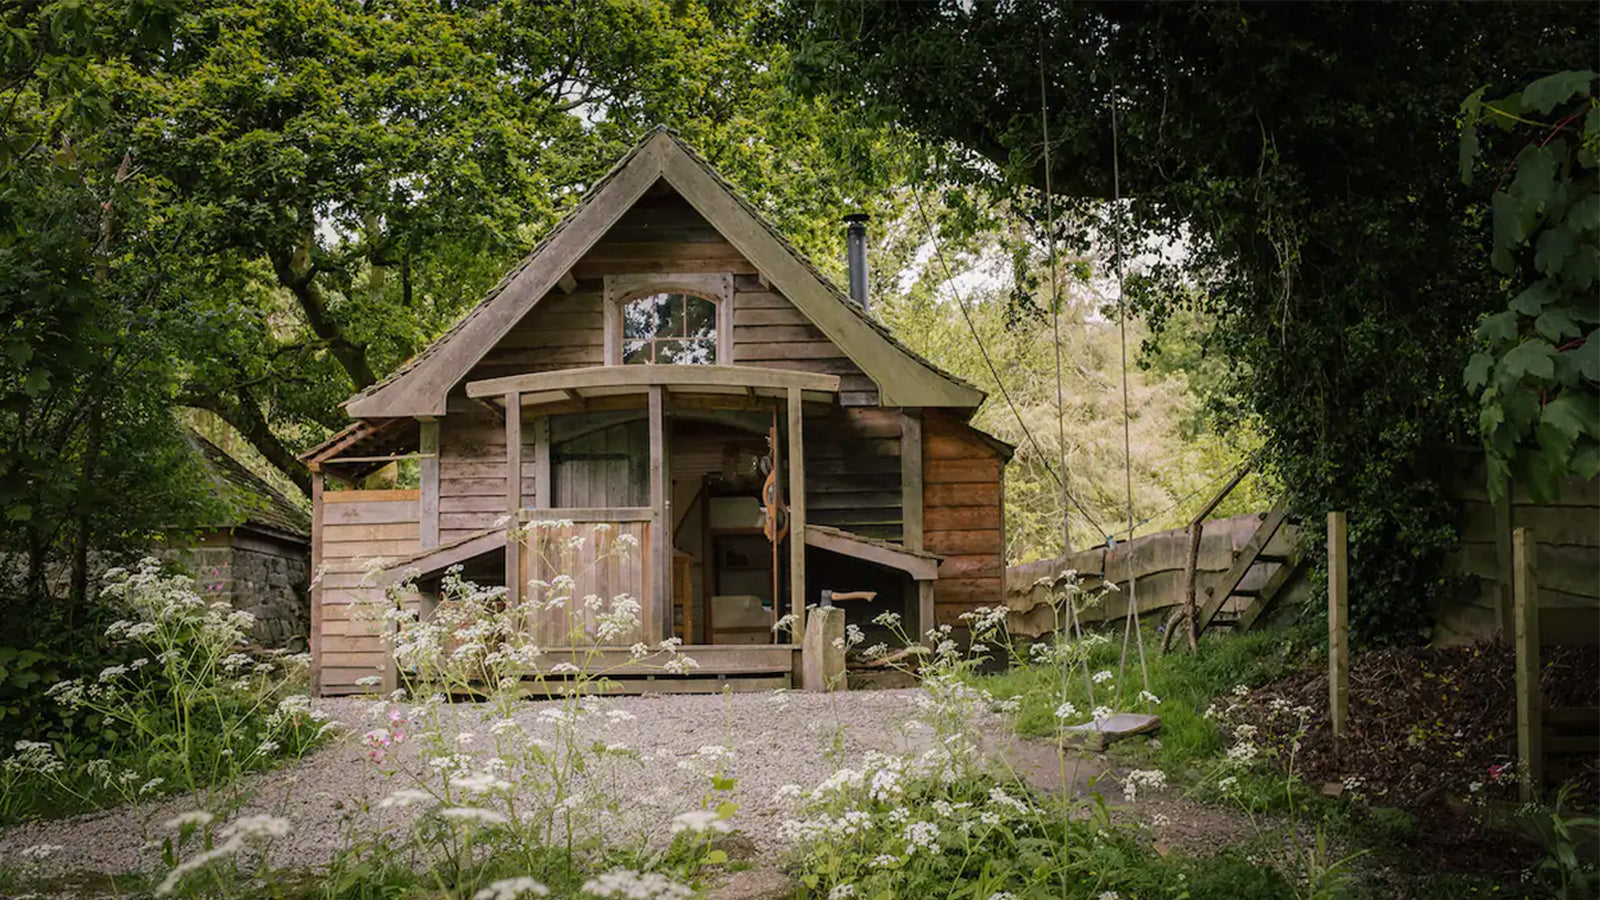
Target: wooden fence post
x: 1530, y: 719
x: 1338, y: 624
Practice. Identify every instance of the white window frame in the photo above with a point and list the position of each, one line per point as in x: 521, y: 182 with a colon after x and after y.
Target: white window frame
x: 714, y: 286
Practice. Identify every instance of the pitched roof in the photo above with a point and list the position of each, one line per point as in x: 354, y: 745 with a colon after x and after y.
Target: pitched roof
x: 253, y: 501
x: 420, y: 385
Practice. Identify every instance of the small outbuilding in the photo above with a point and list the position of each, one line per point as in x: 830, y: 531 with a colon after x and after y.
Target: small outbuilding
x: 667, y: 364
x: 256, y: 556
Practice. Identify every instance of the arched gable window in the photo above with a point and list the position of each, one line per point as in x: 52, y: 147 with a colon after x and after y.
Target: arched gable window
x: 673, y: 328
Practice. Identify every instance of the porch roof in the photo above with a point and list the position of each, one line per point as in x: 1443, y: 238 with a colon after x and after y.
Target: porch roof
x: 579, y: 385
x: 436, y: 559
x: 919, y: 564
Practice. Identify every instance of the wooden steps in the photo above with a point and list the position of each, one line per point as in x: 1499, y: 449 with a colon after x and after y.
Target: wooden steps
x: 1228, y: 603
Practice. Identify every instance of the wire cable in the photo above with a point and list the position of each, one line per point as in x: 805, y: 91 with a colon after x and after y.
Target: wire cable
x: 987, y: 361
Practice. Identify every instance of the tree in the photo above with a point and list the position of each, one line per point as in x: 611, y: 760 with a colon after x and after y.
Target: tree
x: 1298, y: 153
x: 1536, y: 376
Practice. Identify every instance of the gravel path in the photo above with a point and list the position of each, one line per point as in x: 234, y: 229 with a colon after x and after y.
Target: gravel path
x: 776, y: 739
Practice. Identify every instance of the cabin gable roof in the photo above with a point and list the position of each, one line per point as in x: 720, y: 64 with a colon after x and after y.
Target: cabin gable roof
x: 420, y: 386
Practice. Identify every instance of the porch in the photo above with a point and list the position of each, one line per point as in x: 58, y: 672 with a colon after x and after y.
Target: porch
x: 701, y: 470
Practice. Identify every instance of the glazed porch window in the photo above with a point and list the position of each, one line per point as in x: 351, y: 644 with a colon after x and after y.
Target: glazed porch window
x: 664, y: 328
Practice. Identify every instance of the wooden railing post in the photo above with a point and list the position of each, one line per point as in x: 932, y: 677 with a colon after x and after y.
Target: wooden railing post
x: 1525, y: 611
x: 1338, y: 624
x: 513, y: 404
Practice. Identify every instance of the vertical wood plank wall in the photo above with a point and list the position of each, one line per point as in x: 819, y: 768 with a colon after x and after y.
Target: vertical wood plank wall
x: 357, y: 526
x: 961, y: 502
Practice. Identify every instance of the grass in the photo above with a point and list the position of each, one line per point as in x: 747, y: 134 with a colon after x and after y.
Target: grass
x: 1186, y: 683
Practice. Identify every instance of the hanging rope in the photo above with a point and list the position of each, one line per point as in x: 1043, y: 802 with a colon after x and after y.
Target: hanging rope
x: 1131, y: 622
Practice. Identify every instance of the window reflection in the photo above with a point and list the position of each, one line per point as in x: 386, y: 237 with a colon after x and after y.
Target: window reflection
x: 669, y: 329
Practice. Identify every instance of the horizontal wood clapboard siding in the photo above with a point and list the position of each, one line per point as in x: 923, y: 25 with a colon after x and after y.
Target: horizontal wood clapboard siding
x: 355, y: 531
x: 769, y: 331
x: 853, y: 471
x: 472, y: 471
x: 962, y: 517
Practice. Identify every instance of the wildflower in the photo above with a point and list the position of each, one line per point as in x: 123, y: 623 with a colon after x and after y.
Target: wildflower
x: 405, y: 797
x: 1001, y: 798
x: 884, y: 861
x: 151, y: 785
x: 699, y: 821
x: 1147, y: 697
x: 787, y: 621
x: 511, y: 889
x: 787, y: 793
x: 1228, y: 785
x: 1160, y: 820
x: 1154, y: 779
x: 193, y: 818
x: 472, y: 815
x: 1109, y: 895
x: 631, y: 885
x: 842, y: 891
x: 564, y: 668
x: 1101, y: 712
x: 480, y: 783
x: 370, y: 680
x: 1239, y: 690
x: 1066, y: 711
x: 1103, y: 676
x: 887, y: 619
x: 260, y: 827
x: 620, y: 715
x: 921, y: 836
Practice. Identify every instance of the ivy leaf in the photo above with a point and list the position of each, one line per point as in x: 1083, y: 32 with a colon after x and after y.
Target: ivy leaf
x: 1571, y: 414
x: 1532, y: 301
x: 1548, y: 92
x: 1585, y: 462
x: 1498, y: 328
x: 1477, y: 374
x: 1555, y: 323
x: 1531, y: 357
x: 1588, y: 356
x: 1469, y: 150
x: 1555, y: 245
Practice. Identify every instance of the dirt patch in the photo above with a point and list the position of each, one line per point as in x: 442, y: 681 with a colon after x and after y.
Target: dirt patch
x: 1433, y: 733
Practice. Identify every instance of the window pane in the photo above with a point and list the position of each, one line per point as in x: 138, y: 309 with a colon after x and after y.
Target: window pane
x: 639, y: 319
x: 669, y: 315
x: 635, y: 352
x: 690, y: 352
x: 700, y: 318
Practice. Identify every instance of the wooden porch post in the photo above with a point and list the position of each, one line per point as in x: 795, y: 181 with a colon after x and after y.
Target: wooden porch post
x: 513, y: 404
x: 428, y: 446
x: 315, y: 638
x: 911, y: 480
x: 543, y: 494
x: 797, y: 515
x: 660, y: 516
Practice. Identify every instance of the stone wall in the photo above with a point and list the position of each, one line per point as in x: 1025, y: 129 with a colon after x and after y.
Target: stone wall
x: 267, y: 577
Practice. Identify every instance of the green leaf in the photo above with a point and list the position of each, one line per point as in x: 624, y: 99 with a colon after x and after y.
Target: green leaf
x: 1468, y: 151
x: 1555, y: 323
x: 727, y: 808
x: 1555, y: 245
x: 1498, y: 328
x: 1509, y: 232
x: 1588, y: 356
x: 1585, y: 461
x: 1536, y: 179
x: 1532, y: 301
x: 1573, y: 413
x: 1531, y: 357
x: 1550, y: 91
x: 1477, y: 374
x: 717, y: 858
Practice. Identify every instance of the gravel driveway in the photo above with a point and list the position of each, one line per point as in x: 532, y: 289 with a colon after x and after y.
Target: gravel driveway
x: 776, y: 739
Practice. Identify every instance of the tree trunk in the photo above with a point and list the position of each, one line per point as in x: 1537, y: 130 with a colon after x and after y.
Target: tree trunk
x: 243, y: 413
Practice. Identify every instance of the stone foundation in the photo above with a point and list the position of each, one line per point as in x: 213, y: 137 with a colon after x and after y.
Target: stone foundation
x: 267, y: 577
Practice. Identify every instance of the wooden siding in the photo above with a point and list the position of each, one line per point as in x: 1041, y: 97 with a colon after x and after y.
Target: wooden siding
x: 562, y: 331
x: 961, y: 499
x: 472, y: 472
x: 599, y: 567
x: 659, y: 235
x: 357, y: 527
x: 769, y: 331
x: 853, y: 471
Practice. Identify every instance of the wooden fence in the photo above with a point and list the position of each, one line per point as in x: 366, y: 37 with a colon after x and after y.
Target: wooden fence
x: 1151, y: 568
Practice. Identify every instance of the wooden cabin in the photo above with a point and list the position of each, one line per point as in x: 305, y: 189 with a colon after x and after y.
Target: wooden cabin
x: 657, y: 356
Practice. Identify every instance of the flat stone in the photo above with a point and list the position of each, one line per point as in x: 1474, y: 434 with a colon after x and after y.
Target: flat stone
x: 1101, y: 732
